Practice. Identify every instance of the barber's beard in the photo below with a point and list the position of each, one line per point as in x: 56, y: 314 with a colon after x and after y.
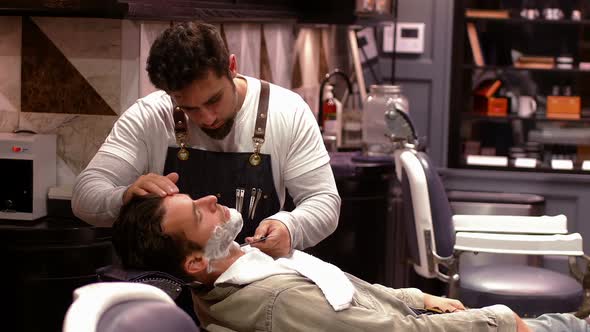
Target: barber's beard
x: 223, y: 237
x: 221, y: 132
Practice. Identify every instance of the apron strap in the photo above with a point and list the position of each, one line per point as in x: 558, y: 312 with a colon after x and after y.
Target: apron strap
x: 180, y: 127
x: 261, y: 115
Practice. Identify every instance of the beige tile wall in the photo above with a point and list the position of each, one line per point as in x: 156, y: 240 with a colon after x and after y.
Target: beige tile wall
x: 110, y: 55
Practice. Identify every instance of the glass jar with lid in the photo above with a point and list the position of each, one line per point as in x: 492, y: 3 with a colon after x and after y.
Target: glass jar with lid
x: 381, y: 98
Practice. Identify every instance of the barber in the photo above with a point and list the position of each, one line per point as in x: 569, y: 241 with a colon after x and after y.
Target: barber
x: 211, y: 130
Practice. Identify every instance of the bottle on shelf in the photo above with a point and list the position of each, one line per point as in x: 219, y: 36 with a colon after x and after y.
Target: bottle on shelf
x: 352, y: 120
x: 332, y: 115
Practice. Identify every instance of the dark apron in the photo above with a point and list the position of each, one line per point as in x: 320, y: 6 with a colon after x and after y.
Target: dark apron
x: 228, y: 175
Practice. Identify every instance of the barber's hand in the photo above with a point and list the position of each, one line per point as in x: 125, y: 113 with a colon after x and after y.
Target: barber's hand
x: 442, y: 303
x: 152, y: 183
x: 278, y: 243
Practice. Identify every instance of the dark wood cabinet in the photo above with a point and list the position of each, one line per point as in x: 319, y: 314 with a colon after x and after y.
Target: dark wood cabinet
x: 211, y: 11
x: 220, y: 11
x: 345, y: 12
x: 43, y: 262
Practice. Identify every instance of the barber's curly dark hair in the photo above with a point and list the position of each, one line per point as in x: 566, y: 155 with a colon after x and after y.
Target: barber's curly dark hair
x: 141, y: 244
x: 184, y: 53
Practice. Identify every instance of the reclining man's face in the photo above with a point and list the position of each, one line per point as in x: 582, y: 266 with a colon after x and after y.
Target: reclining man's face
x: 214, y: 227
x: 223, y: 236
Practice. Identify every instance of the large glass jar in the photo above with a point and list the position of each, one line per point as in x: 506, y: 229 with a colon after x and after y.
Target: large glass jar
x: 381, y: 98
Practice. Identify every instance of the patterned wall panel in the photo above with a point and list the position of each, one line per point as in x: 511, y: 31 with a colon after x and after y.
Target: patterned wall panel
x: 50, y: 82
x: 73, y: 76
x: 10, y: 60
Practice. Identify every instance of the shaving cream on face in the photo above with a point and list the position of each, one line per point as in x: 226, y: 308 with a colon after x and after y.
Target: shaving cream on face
x: 223, y: 236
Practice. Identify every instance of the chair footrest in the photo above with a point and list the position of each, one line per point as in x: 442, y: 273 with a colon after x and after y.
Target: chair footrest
x: 511, y: 224
x: 523, y: 244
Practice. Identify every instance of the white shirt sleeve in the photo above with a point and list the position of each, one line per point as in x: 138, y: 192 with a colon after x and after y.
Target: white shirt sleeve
x: 317, y: 207
x: 98, y: 192
x: 122, y: 158
x: 304, y: 144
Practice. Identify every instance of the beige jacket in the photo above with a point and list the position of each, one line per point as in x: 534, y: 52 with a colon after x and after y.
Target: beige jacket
x: 293, y: 303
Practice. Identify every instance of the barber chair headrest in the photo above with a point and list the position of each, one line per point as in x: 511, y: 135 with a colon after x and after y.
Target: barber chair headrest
x: 169, y: 284
x: 125, y: 307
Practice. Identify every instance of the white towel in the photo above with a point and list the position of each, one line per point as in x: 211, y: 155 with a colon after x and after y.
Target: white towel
x: 336, y: 287
x: 255, y: 265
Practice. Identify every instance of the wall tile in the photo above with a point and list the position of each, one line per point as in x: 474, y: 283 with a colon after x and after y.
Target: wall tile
x: 10, y: 64
x: 93, y: 47
x: 78, y: 136
x: 80, y: 139
x: 50, y: 83
x: 8, y: 121
x: 65, y: 174
x: 130, y: 64
x: 45, y: 123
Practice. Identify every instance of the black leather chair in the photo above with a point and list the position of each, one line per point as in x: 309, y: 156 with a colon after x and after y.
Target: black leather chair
x: 437, y: 238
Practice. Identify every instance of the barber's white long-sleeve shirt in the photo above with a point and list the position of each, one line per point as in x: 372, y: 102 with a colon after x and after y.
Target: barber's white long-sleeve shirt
x: 140, y: 138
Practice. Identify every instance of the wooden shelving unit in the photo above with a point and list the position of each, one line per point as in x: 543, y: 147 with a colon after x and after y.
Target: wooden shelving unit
x: 501, y: 39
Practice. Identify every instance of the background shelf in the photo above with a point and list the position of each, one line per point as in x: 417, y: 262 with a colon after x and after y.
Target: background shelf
x: 518, y: 20
x: 577, y: 169
x: 482, y: 117
x: 497, y: 42
x: 515, y: 69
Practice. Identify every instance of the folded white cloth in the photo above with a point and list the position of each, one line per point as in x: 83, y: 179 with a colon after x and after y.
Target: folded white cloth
x: 255, y: 265
x: 336, y: 287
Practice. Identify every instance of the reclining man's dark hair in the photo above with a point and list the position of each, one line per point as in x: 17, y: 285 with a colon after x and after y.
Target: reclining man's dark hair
x: 140, y: 243
x: 186, y: 52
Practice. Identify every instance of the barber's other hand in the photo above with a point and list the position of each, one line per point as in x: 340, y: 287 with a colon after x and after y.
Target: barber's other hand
x: 278, y: 243
x: 442, y: 303
x: 154, y: 184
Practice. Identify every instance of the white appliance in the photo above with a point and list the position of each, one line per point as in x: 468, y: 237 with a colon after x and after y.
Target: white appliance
x: 28, y: 168
x: 409, y: 38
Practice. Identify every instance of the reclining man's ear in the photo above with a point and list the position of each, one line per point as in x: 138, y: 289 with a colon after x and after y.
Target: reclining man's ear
x: 195, y: 263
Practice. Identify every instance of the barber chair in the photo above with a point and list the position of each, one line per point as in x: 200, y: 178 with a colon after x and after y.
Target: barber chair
x: 125, y: 307
x: 437, y: 238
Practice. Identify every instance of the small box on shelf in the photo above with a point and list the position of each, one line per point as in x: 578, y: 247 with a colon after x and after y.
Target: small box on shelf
x: 484, y: 101
x: 493, y: 106
x: 535, y: 62
x: 564, y: 107
x: 487, y: 13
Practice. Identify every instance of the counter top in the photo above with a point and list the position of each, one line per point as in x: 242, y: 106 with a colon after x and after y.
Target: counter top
x: 352, y: 164
x: 51, y: 230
